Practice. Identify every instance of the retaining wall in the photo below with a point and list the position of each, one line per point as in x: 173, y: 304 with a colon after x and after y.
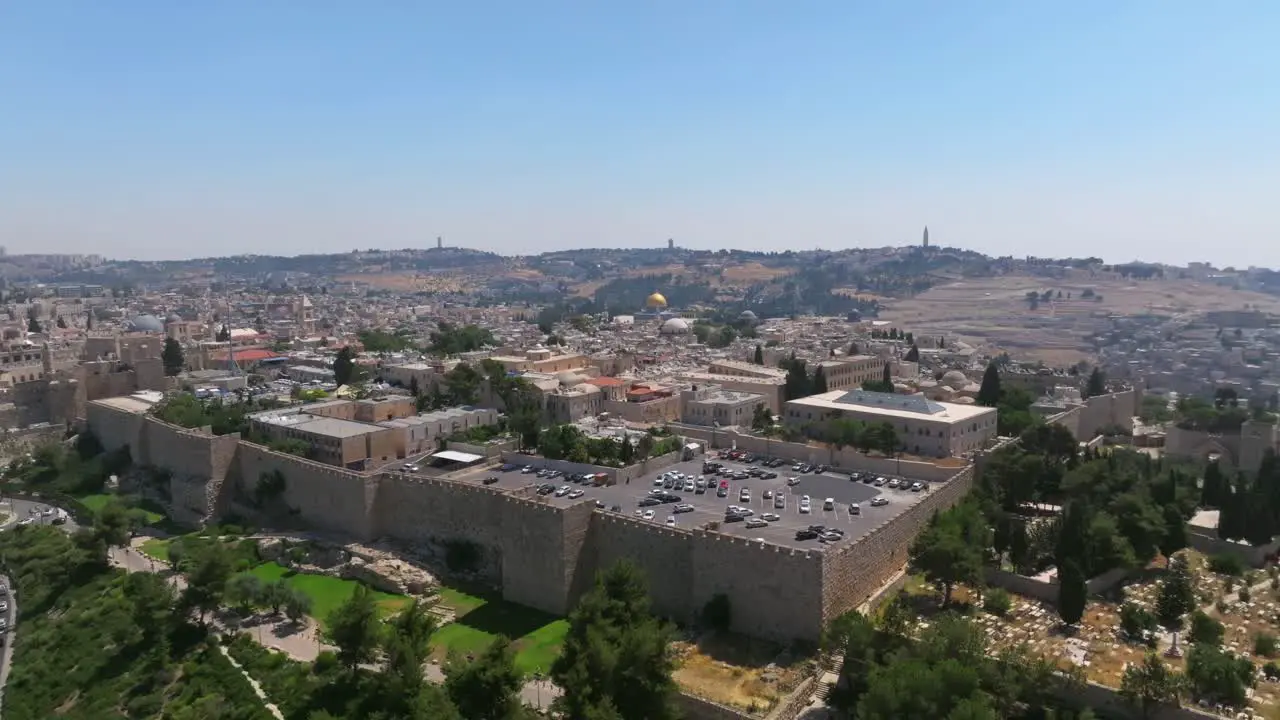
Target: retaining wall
x: 852, y: 573
x: 1206, y: 540
x: 328, y: 498
x: 1047, y: 590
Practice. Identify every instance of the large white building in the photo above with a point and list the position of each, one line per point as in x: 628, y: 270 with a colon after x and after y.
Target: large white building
x: 924, y: 427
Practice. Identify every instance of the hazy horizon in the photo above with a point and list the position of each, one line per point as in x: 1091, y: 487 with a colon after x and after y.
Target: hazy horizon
x: 142, y: 129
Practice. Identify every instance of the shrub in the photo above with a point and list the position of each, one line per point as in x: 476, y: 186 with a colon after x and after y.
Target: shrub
x: 1205, y: 629
x: 1135, y: 621
x: 1226, y: 564
x: 325, y: 662
x: 1271, y: 670
x: 1264, y: 644
x: 997, y: 602
x: 1244, y: 594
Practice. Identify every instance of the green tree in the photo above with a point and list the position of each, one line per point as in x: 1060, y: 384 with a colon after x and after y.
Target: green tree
x: 1205, y: 629
x: 297, y: 604
x: 33, y: 325
x: 989, y: 391
x: 616, y: 661
x: 353, y: 626
x: 759, y: 356
x: 819, y: 381
x: 62, y: 322
x: 487, y: 688
x: 1175, y: 532
x: 207, y: 581
x: 344, y: 366
x: 1097, y: 384
x: 1177, y: 595
x: 1151, y: 685
x: 246, y: 591
x: 172, y: 357
x: 1218, y: 676
x: 1214, y: 487
x: 950, y: 550
x: 114, y: 524
x: 1072, y: 593
x: 913, y: 354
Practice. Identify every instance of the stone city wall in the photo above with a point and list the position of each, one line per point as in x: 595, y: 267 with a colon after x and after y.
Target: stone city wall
x: 328, y: 498
x: 491, y: 449
x: 852, y: 573
x: 1047, y: 590
x: 1206, y: 540
x: 775, y: 591
x: 847, y: 459
x: 1116, y: 408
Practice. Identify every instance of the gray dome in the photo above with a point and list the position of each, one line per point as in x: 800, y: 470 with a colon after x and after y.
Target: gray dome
x: 145, y: 323
x: 675, y: 326
x: 172, y: 318
x: 747, y: 316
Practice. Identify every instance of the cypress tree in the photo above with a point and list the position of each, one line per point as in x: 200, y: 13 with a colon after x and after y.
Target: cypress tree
x: 989, y: 392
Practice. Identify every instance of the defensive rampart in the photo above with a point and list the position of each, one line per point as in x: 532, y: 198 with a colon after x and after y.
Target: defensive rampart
x: 851, y: 573
x: 545, y: 554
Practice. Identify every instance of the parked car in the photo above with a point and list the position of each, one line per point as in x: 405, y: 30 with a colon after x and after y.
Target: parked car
x: 731, y: 518
x: 855, y: 509
x: 508, y: 467
x: 491, y: 480
x: 671, y: 520
x: 917, y: 487
x: 829, y: 504
x: 562, y: 491
x: 648, y: 515
x: 806, y: 535
x: 805, y: 505
x: 771, y: 517
x: 756, y: 523
x: 683, y: 508
x: 576, y: 493
x: 880, y: 501
x: 779, y: 501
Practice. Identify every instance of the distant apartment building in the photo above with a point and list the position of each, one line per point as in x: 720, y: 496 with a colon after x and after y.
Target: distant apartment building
x: 738, y: 368
x: 330, y: 440
x: 711, y: 405
x: 542, y: 360
x: 924, y: 427
x: 770, y: 387
x: 421, y: 433
x: 852, y: 372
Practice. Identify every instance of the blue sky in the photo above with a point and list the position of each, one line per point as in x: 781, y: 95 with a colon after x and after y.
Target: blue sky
x: 160, y: 129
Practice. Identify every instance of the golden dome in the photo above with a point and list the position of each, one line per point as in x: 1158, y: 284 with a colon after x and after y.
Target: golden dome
x: 656, y: 300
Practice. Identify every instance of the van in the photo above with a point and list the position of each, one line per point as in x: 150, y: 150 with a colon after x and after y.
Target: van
x: 855, y: 509
x: 829, y: 504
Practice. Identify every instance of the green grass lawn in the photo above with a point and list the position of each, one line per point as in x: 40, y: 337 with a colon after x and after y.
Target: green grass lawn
x: 156, y: 548
x: 326, y: 592
x: 535, y: 636
x: 97, y: 501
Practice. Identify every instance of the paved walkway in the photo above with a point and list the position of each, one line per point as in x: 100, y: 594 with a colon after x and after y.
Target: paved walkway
x: 299, y: 643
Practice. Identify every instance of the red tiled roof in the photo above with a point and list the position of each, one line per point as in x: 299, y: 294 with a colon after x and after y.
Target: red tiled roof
x: 249, y: 355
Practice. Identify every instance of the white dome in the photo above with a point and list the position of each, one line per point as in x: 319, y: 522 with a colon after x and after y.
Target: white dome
x: 955, y: 379
x: 569, y: 378
x: 675, y: 326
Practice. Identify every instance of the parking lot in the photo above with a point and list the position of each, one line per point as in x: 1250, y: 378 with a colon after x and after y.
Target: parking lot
x: 709, y: 508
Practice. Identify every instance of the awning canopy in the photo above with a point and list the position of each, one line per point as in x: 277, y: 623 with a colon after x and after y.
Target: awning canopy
x: 455, y: 456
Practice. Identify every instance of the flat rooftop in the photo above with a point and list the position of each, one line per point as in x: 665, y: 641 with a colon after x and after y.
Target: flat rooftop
x: 907, y: 407
x: 134, y: 405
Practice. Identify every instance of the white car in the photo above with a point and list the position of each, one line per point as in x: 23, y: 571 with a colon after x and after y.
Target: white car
x: 779, y: 501
x: 880, y: 501
x: 4, y: 606
x: 829, y: 504
x: 576, y: 493
x: 805, y: 504
x: 793, y: 481
x: 917, y: 487
x: 893, y: 484
x: 683, y: 508
x: 648, y: 514
x: 767, y: 494
x: 744, y: 496
x: 657, y: 482
x: 671, y: 520
x: 756, y: 523
x: 562, y: 491
x: 771, y: 517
